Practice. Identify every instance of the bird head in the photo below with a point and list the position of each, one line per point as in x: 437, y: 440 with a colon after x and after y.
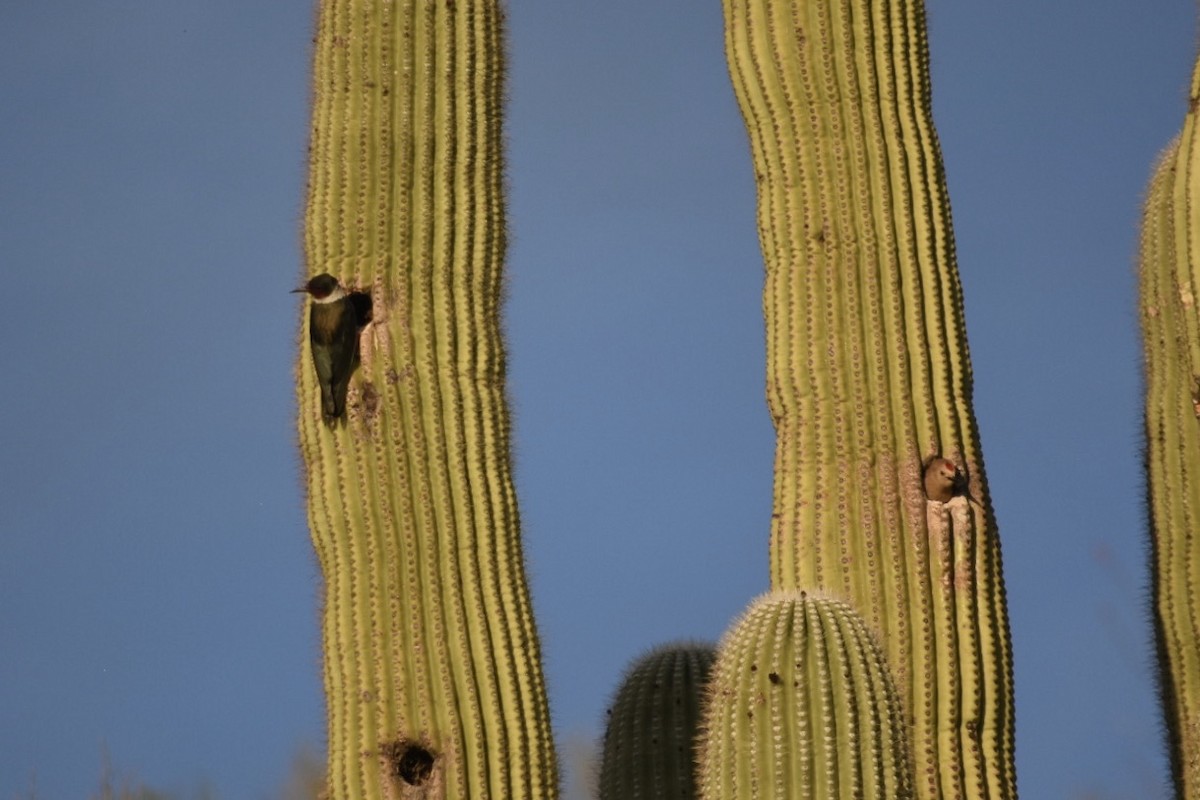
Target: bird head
x: 947, y: 470
x: 321, y: 287
x: 943, y: 479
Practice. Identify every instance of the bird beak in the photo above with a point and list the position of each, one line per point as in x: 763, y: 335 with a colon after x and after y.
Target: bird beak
x: 301, y: 289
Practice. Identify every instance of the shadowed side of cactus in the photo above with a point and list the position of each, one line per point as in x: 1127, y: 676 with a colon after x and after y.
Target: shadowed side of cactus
x: 432, y: 671
x: 650, y: 737
x: 868, y: 374
x: 1171, y: 342
x: 801, y: 704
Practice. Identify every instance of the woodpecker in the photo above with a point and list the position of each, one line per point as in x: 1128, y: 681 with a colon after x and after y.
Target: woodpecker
x: 942, y: 479
x: 333, y: 337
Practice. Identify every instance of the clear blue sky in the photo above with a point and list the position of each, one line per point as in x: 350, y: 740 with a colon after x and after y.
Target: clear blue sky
x: 157, y: 588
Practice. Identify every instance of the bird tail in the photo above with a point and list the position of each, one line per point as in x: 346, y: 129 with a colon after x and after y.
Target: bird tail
x: 329, y: 404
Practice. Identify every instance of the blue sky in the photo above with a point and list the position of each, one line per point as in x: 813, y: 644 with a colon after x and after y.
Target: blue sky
x: 158, y: 594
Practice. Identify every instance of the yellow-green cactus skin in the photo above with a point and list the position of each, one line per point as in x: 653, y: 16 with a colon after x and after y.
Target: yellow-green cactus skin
x: 801, y: 705
x: 432, y: 672
x: 868, y: 374
x: 650, y: 737
x: 1170, y: 285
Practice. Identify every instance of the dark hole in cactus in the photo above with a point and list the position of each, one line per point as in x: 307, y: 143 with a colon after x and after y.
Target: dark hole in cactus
x: 409, y: 762
x: 415, y: 766
x: 774, y: 676
x: 363, y: 308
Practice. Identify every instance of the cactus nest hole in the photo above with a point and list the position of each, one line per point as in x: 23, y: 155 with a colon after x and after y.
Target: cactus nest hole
x: 409, y: 762
x: 364, y: 310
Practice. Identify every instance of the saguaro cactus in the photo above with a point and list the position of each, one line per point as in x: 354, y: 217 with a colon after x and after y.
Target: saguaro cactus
x: 868, y: 371
x: 431, y: 660
x: 650, y: 738
x: 801, y: 705
x: 1170, y: 286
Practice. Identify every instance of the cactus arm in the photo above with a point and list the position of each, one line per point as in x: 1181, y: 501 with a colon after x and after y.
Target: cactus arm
x: 868, y: 369
x: 431, y: 660
x: 650, y: 736
x: 1171, y: 340
x: 801, y: 705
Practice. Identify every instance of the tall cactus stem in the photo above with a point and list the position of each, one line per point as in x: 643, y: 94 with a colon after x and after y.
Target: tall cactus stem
x: 1170, y: 284
x: 868, y: 374
x: 432, y: 672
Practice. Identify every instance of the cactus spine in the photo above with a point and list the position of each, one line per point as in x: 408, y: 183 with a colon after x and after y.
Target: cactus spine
x: 650, y: 738
x: 1170, y: 285
x: 431, y: 659
x: 802, y: 705
x: 868, y: 370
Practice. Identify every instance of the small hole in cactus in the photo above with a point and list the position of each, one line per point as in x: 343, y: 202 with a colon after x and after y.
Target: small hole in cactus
x: 409, y: 762
x: 369, y: 399
x: 415, y: 766
x: 774, y: 676
x: 364, y: 310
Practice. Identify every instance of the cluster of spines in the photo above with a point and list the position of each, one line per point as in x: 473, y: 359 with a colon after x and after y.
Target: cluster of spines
x: 801, y: 704
x: 1169, y: 291
x: 650, y: 735
x: 431, y: 660
x: 868, y: 369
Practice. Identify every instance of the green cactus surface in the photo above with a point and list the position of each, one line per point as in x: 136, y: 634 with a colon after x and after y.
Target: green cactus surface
x: 432, y: 672
x: 650, y: 737
x: 1171, y: 337
x: 868, y: 374
x: 801, y: 705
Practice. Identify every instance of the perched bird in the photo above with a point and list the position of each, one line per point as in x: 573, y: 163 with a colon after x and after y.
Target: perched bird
x: 333, y: 336
x: 942, y: 479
